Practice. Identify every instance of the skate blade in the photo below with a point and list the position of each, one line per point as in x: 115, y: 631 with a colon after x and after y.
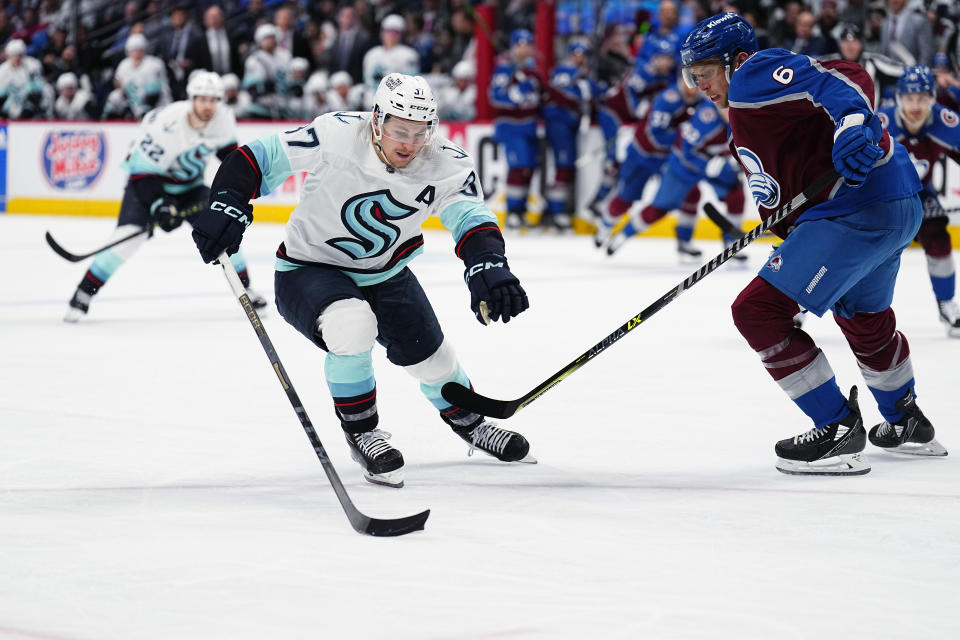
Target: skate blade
x: 953, y: 332
x: 528, y: 459
x: 926, y: 449
x: 849, y: 464
x: 73, y: 316
x: 390, y: 479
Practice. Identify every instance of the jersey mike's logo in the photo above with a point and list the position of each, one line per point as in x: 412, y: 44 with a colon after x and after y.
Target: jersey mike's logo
x: 73, y: 160
x: 765, y: 190
x: 367, y: 216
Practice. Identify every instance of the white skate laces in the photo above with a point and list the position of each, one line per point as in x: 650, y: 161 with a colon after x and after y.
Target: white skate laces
x: 372, y: 443
x: 489, y: 437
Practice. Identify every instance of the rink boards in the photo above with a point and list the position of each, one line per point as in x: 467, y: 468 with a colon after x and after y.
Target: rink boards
x: 73, y: 168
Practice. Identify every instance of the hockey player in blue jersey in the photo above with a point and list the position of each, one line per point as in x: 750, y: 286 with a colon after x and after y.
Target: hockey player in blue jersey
x: 570, y: 94
x: 929, y: 132
x: 628, y: 101
x: 700, y: 153
x: 516, y: 90
x: 792, y: 120
x: 342, y: 273
x: 650, y: 148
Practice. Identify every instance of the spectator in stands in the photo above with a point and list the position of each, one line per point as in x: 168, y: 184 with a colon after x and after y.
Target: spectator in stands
x: 140, y: 83
x: 235, y: 98
x: 906, y: 35
x: 50, y: 56
x: 224, y: 57
x: 343, y: 94
x: 131, y: 14
x: 266, y: 75
x: 458, y: 102
x: 883, y: 70
x: 21, y: 84
x: 808, y: 42
x: 32, y: 32
x: 184, y: 50
x: 515, y: 91
x: 288, y: 38
x: 392, y: 56
x: 73, y: 102
x: 351, y: 45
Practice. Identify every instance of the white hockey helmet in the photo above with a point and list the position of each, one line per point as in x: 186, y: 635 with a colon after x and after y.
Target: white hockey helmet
x: 464, y: 70
x: 68, y: 79
x: 230, y: 81
x: 15, y: 47
x: 341, y: 79
x: 135, y: 42
x: 205, y: 83
x: 407, y: 97
x: 266, y: 30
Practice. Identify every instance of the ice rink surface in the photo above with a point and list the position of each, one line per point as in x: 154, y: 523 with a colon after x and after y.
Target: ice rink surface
x: 156, y: 484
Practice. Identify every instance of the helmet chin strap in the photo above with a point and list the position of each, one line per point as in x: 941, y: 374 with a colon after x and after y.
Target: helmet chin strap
x: 376, y: 144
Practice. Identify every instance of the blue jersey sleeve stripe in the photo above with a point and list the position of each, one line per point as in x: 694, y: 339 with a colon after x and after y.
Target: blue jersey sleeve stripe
x: 464, y: 215
x: 273, y: 162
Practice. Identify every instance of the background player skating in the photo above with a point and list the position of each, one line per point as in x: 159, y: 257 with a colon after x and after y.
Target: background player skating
x: 342, y: 278
x: 792, y: 120
x: 929, y: 131
x: 166, y: 165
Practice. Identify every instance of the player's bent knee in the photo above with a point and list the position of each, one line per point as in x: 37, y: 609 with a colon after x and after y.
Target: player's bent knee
x: 440, y: 366
x: 348, y: 327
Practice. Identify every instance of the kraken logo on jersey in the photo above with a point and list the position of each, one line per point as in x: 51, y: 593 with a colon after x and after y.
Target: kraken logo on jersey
x: 765, y: 190
x: 367, y: 217
x: 192, y: 164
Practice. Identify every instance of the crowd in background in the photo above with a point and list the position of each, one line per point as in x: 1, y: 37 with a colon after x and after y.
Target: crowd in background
x: 95, y: 59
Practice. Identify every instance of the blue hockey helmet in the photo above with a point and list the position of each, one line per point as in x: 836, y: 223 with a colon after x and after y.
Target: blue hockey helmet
x: 578, y: 46
x: 722, y: 36
x: 520, y: 35
x: 918, y: 79
x: 654, y: 45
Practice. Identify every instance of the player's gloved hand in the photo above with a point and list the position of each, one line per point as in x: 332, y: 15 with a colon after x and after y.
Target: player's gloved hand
x: 855, y: 148
x: 220, y: 227
x: 931, y: 204
x: 490, y: 281
x: 165, y: 214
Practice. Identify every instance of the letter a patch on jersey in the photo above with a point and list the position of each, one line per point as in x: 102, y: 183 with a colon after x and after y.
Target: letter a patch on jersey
x: 367, y: 217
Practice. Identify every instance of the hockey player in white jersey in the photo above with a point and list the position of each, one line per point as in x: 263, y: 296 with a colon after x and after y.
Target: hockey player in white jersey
x: 342, y: 276
x: 22, y: 89
x: 392, y: 56
x: 140, y: 80
x: 166, y: 165
x: 266, y: 75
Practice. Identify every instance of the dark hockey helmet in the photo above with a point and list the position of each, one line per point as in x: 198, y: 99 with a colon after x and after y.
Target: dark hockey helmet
x: 722, y: 36
x: 918, y: 79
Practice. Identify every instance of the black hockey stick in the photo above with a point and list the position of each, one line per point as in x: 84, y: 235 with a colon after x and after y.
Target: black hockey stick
x: 468, y: 399
x: 360, y: 522
x: 726, y: 226
x: 77, y: 257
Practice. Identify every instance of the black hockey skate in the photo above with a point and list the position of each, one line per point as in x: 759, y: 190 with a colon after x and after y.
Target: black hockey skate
x: 78, y: 306
x: 950, y: 317
x: 686, y: 251
x: 485, y: 435
x: 833, y: 450
x: 382, y: 464
x: 257, y: 301
x: 913, y: 434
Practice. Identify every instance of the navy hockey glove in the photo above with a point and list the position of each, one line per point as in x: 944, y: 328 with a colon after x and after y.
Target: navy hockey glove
x: 165, y: 214
x: 855, y: 147
x: 220, y: 228
x: 491, y: 282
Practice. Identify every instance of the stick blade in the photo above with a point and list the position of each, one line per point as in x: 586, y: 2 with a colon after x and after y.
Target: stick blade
x: 60, y: 251
x: 383, y: 528
x: 468, y: 399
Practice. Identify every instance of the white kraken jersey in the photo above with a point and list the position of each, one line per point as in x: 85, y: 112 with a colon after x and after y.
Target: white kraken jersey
x: 140, y: 81
x: 353, y: 213
x: 379, y: 62
x: 169, y: 147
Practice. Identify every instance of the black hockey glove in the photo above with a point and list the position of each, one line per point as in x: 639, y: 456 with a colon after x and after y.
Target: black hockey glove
x: 165, y: 214
x: 220, y: 227
x: 491, y: 282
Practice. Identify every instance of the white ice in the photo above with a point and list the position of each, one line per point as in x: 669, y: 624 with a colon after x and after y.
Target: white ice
x: 156, y: 484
